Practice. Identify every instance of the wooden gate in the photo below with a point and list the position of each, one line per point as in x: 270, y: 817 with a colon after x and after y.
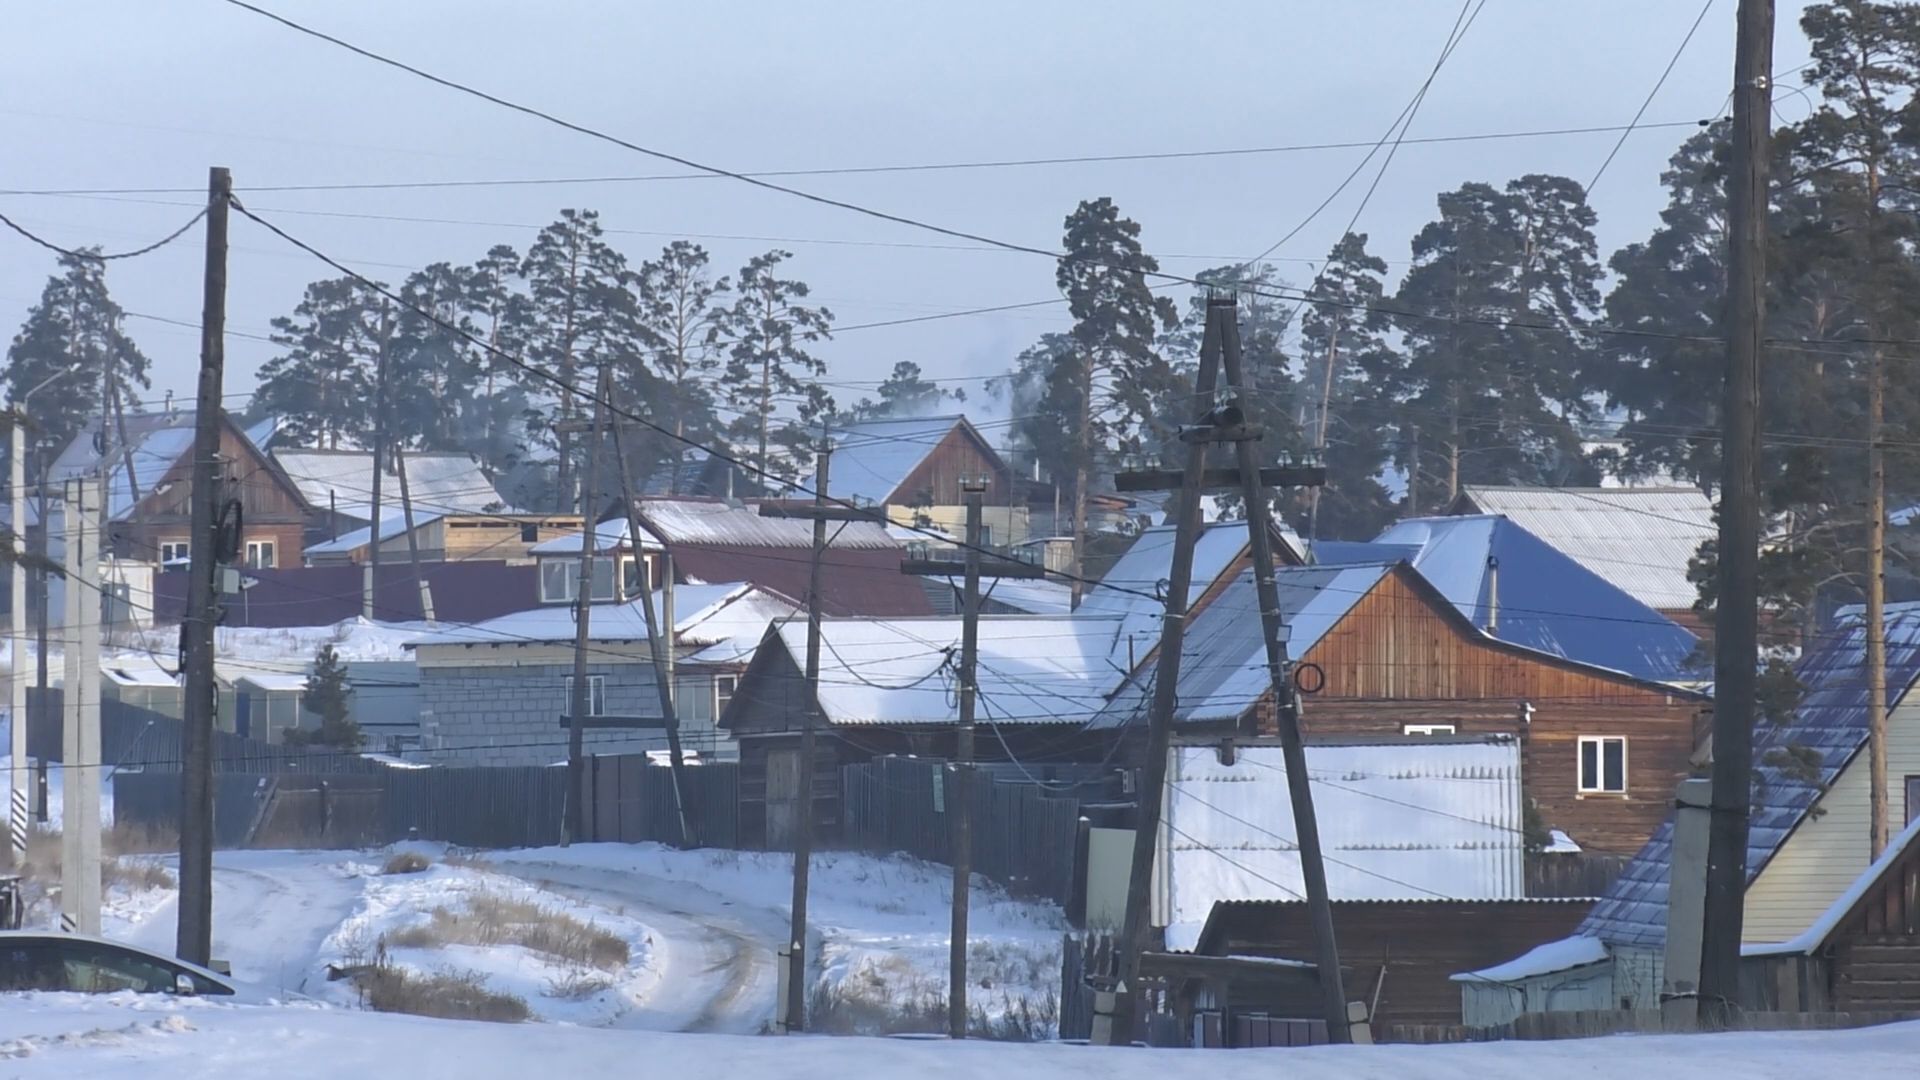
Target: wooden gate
x: 784, y: 797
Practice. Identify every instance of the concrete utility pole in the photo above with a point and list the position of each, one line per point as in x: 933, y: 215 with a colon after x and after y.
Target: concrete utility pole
x: 1736, y: 627
x: 1220, y: 348
x: 17, y: 640
x: 370, y: 571
x: 80, y: 781
x: 582, y: 697
x: 199, y: 697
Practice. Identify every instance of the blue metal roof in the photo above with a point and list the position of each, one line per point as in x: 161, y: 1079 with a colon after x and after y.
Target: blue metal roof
x: 1793, y: 762
x: 1545, y: 600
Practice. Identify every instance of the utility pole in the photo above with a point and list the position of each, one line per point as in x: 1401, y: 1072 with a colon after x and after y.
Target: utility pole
x: 582, y: 697
x: 959, y: 799
x: 17, y: 637
x: 659, y: 634
x: 195, y: 934
x: 1220, y: 348
x: 370, y: 571
x: 413, y: 540
x: 80, y: 781
x: 1736, y: 629
x: 1876, y: 606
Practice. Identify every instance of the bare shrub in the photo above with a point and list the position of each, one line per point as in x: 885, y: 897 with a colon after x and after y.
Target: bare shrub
x: 445, y: 995
x: 129, y: 838
x: 135, y: 874
x: 406, y: 862
x: 578, y: 984
x: 492, y: 918
x: 920, y: 1008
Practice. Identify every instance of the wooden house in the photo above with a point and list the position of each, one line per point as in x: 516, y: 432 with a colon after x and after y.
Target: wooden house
x: 448, y: 537
x: 148, y: 517
x: 915, y: 468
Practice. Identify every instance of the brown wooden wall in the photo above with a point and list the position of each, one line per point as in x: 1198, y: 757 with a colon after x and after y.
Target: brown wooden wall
x: 1396, y: 660
x: 938, y: 475
x: 1419, y: 944
x: 271, y: 507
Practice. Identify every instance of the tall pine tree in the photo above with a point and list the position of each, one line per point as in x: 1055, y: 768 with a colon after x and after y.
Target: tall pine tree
x: 322, y: 386
x: 682, y: 308
x: 1345, y: 401
x: 76, y: 331
x: 769, y: 364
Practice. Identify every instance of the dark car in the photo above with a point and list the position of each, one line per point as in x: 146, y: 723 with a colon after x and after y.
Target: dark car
x: 33, y: 960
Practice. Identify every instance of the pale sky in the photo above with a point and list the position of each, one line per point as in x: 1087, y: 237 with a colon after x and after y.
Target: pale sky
x: 133, y: 93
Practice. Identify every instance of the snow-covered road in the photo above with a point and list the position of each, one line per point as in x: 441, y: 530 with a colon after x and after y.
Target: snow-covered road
x: 716, y: 956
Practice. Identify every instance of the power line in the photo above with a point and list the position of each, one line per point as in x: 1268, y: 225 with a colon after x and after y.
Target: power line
x: 95, y: 256
x: 1651, y: 94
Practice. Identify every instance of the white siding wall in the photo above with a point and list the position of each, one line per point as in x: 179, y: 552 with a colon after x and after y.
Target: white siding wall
x: 1823, y: 856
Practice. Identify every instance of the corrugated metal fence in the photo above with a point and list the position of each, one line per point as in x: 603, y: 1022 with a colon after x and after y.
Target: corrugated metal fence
x: 1023, y: 836
x: 471, y: 807
x: 136, y: 738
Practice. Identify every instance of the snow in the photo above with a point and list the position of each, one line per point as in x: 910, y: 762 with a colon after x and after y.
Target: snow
x: 694, y: 521
x: 343, y: 480
x: 391, y: 526
x: 124, y: 1037
x: 1563, y: 955
x: 704, y: 615
x: 1561, y: 844
x: 607, y: 536
x: 353, y: 639
x: 1032, y: 668
x: 873, y: 458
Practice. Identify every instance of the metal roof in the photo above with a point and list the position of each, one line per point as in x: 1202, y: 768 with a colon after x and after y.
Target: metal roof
x: 695, y: 605
x: 1794, y: 761
x: 342, y: 480
x: 1223, y: 664
x: 1135, y: 586
x: 1032, y: 669
x: 872, y: 458
x: 708, y: 521
x: 1639, y: 539
x: 1410, y: 820
x: 391, y: 526
x: 1544, y: 600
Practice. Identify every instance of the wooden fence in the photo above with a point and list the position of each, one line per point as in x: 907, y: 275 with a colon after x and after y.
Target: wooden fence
x: 1023, y: 837
x: 1592, y: 1023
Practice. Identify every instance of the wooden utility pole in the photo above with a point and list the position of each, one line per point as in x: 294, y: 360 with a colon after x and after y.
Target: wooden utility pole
x: 413, y: 540
x: 580, y: 700
x: 1877, y: 828
x: 803, y: 828
x: 1736, y: 628
x: 195, y: 931
x: 1219, y: 348
x: 659, y: 635
x: 959, y: 799
x: 370, y: 575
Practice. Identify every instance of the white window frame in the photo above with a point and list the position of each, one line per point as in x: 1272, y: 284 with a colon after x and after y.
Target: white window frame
x: 254, y: 550
x: 1599, y: 786
x: 1429, y: 729
x: 720, y: 699
x: 171, y: 550
x: 569, y: 571
x: 596, y: 695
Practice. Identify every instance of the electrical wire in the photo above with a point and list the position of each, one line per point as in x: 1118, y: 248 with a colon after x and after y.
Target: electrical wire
x: 94, y: 256
x: 1651, y: 94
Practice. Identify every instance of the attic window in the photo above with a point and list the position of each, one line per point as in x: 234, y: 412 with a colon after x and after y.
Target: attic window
x: 1428, y: 729
x: 1603, y: 764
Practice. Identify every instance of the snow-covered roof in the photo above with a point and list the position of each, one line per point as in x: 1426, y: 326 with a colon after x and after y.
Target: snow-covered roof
x: 274, y: 681
x: 1545, y: 601
x: 1639, y: 539
x: 1419, y: 820
x: 137, y: 670
x: 697, y: 620
x: 872, y: 458
x: 1033, y: 597
x: 155, y: 451
x: 1795, y: 761
x: 1134, y: 587
x: 391, y: 526
x: 439, y: 483
x: 607, y: 536
x: 708, y: 522
x: 1562, y: 955
x: 1032, y: 669
x: 1223, y: 665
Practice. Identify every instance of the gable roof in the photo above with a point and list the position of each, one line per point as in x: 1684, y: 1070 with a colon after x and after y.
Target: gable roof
x: 1223, y: 667
x: 342, y: 480
x: 1402, y: 820
x: 1794, y: 761
x: 158, y: 440
x: 391, y: 526
x: 1032, y: 669
x: 872, y: 458
x: 1638, y: 539
x: 697, y: 620
x: 1134, y: 587
x: 1903, y: 850
x: 1545, y: 601
x: 710, y: 521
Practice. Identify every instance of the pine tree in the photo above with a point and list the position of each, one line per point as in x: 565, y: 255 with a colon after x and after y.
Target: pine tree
x: 75, y: 330
x: 432, y: 371
x: 578, y: 316
x: 329, y: 696
x: 492, y: 420
x: 1345, y: 405
x: 1116, y: 325
x: 322, y: 386
x: 682, y: 310
x: 906, y: 393
x: 769, y: 364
